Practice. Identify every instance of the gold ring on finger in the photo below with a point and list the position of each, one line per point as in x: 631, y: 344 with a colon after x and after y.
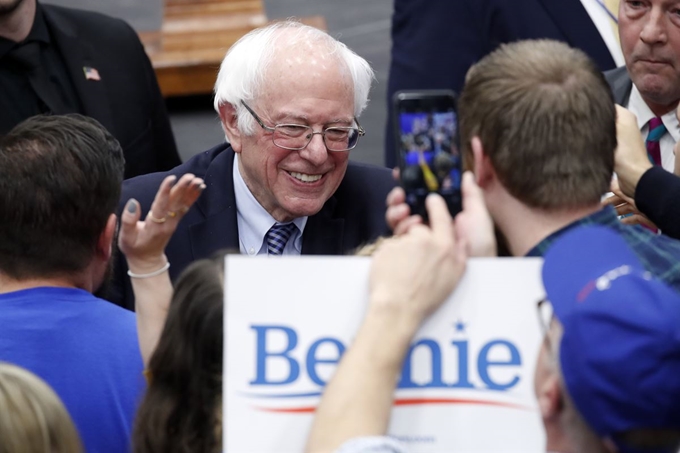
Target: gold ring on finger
x: 172, y: 214
x: 156, y: 219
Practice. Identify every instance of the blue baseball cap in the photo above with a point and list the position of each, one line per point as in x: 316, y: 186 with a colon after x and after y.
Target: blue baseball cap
x: 620, y: 349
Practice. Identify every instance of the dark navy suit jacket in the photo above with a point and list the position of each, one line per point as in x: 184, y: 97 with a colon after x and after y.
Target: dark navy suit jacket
x: 434, y: 42
x: 353, y: 216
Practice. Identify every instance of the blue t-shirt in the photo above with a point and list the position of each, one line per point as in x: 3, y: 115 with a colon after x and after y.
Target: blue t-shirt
x: 86, y: 349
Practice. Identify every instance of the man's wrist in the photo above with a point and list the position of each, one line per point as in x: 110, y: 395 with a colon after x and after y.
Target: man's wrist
x: 386, y: 337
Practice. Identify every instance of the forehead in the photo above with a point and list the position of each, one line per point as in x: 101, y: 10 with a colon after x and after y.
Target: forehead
x: 307, y: 76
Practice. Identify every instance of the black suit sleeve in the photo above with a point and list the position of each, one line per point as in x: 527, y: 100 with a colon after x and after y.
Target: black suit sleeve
x: 164, y: 147
x: 656, y: 196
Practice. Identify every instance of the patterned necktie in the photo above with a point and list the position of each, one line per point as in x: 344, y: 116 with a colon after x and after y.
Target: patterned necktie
x: 278, y: 236
x: 656, y: 131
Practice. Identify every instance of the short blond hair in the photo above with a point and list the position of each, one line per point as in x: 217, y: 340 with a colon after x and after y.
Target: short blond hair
x: 546, y: 118
x: 32, y: 417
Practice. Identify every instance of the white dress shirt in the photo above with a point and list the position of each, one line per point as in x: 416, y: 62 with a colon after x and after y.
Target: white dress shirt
x: 638, y: 106
x: 254, y: 221
x: 603, y: 22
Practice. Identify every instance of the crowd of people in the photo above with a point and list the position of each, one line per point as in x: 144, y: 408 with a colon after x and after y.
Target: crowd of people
x: 112, y: 273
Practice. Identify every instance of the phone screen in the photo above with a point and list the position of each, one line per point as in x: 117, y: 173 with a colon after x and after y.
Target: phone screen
x: 428, y: 146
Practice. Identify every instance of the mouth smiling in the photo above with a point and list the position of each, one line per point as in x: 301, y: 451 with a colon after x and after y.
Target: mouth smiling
x: 304, y: 177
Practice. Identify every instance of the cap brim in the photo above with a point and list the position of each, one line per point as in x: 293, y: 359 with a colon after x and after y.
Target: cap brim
x: 577, y: 259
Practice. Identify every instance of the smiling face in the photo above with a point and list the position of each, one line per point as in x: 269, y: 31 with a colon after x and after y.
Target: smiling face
x: 302, y: 86
x: 650, y: 39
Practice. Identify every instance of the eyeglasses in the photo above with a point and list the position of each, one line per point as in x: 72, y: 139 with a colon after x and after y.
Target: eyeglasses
x: 297, y: 136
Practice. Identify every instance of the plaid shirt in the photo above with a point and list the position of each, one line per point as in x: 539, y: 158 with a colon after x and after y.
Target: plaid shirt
x: 658, y: 253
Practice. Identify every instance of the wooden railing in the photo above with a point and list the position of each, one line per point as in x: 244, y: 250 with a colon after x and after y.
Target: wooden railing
x: 187, y: 51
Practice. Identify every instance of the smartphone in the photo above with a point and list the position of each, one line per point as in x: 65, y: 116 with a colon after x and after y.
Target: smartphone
x: 426, y: 129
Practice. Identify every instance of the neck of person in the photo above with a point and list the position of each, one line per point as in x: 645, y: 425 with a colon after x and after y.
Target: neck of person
x: 555, y: 439
x: 16, y: 25
x: 524, y: 227
x: 80, y: 280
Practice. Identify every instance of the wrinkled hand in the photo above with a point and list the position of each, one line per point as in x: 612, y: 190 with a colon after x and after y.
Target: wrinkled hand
x: 625, y: 206
x: 414, y: 273
x: 143, y: 242
x: 631, y: 159
x: 473, y: 224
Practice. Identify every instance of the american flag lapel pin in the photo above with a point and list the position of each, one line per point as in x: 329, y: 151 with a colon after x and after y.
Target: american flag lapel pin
x: 91, y: 73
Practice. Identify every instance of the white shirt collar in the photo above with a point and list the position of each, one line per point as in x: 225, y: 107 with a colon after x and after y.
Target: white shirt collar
x: 639, y: 107
x: 254, y: 221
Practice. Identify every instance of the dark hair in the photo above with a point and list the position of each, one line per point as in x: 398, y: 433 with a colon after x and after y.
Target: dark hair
x: 60, y: 180
x: 181, y: 411
x: 546, y: 118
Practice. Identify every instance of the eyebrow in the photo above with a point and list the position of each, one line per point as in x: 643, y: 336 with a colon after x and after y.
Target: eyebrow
x: 305, y: 119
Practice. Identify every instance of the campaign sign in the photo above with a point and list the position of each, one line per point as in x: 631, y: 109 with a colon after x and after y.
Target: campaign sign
x: 466, y: 385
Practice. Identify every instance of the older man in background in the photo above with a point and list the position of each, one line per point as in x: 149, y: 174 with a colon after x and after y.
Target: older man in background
x: 649, y: 84
x: 289, y: 97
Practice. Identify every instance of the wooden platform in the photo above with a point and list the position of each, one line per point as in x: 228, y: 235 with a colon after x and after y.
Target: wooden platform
x: 187, y: 51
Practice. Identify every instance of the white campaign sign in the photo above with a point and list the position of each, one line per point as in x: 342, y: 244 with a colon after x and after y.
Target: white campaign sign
x: 466, y: 387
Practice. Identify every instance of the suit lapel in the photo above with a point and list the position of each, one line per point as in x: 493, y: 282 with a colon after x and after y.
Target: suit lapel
x: 77, y: 54
x: 324, y: 234
x: 573, y: 21
x: 219, y: 230
x: 621, y: 85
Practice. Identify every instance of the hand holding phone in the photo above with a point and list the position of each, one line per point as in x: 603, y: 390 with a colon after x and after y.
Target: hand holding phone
x: 426, y: 129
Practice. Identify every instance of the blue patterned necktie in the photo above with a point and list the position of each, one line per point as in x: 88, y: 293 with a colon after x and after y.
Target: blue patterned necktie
x: 278, y: 236
x: 656, y: 131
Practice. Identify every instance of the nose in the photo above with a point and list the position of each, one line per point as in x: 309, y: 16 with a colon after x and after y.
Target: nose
x: 654, y: 30
x: 315, y: 152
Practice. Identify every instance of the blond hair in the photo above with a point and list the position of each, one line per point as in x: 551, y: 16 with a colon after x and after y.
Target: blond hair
x: 32, y: 417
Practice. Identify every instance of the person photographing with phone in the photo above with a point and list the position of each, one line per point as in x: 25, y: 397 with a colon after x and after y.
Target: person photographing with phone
x: 538, y: 128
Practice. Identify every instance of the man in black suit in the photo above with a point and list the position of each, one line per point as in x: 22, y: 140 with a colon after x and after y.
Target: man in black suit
x: 434, y: 43
x: 288, y: 96
x: 60, y: 60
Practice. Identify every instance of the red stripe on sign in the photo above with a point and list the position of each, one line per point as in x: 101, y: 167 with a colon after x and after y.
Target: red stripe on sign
x: 403, y: 402
x: 417, y: 401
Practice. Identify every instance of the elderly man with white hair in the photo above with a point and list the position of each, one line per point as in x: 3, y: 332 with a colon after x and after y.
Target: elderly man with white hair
x: 289, y: 97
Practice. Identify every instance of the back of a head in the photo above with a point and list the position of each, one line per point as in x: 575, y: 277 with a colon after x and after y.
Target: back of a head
x: 32, y: 417
x: 546, y: 119
x: 242, y: 74
x: 181, y: 409
x: 60, y: 179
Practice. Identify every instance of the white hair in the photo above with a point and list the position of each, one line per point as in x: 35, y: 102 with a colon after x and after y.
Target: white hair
x: 243, y: 69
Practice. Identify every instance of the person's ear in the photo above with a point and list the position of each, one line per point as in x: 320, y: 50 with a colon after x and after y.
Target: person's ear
x: 229, y: 120
x: 105, y: 242
x: 549, y: 396
x: 483, y: 169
